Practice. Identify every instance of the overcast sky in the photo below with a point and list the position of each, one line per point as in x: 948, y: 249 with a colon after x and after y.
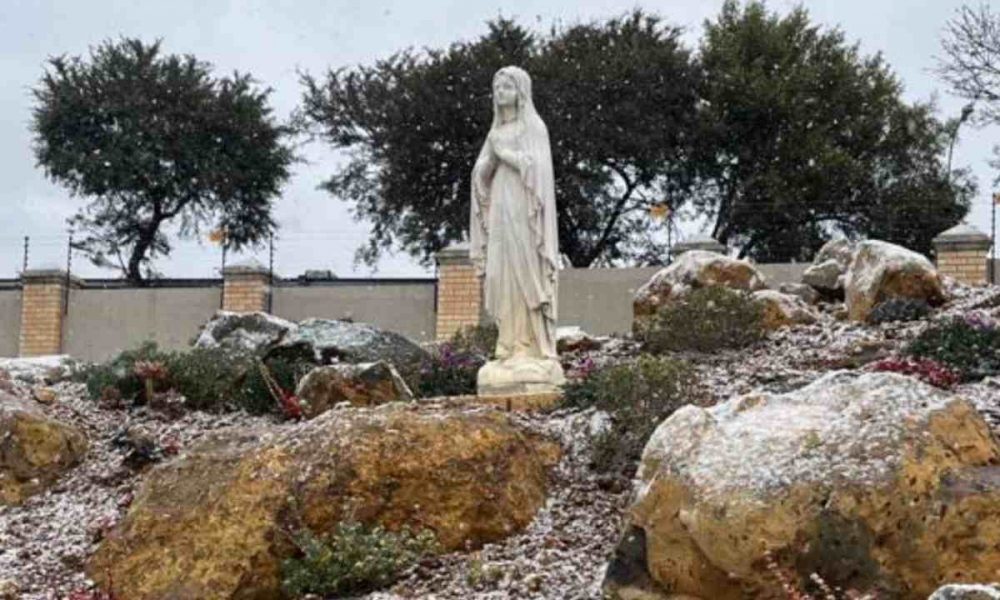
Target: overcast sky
x: 273, y: 39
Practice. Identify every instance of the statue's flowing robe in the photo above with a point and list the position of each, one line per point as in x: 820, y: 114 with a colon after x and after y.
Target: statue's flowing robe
x: 514, y: 240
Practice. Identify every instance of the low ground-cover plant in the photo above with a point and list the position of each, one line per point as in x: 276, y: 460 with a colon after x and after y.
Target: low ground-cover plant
x: 449, y: 372
x: 476, y: 339
x: 210, y: 379
x: 638, y: 396
x: 354, y: 559
x: 706, y: 320
x: 453, y: 366
x: 925, y: 369
x: 968, y: 345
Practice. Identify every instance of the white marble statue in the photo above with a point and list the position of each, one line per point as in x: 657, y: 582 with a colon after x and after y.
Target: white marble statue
x: 515, y: 243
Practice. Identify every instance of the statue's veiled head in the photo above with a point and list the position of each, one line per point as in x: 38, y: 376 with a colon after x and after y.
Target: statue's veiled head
x: 512, y: 89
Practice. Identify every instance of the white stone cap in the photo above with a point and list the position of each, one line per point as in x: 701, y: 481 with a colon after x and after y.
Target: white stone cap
x: 962, y: 236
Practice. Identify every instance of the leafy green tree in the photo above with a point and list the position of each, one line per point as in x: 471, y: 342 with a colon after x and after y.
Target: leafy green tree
x: 154, y: 139
x: 802, y: 136
x: 618, y: 97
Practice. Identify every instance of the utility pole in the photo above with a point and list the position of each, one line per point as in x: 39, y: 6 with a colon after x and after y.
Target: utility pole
x: 27, y: 245
x: 69, y: 267
x: 993, y: 238
x: 270, y: 275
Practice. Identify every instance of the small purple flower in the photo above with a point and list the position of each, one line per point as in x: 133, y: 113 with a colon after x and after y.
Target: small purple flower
x: 978, y: 319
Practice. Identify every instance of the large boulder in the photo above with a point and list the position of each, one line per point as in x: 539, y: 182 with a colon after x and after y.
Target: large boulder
x: 214, y: 522
x: 882, y: 271
x: 876, y: 482
x: 364, y: 384
x: 692, y: 270
x: 782, y: 310
x: 326, y: 341
x: 253, y: 332
x: 35, y: 449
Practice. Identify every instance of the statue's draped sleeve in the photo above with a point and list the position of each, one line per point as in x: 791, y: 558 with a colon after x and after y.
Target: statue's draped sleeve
x: 482, y: 177
x: 539, y: 180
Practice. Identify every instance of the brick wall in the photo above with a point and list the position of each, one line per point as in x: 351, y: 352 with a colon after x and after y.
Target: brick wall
x: 43, y: 303
x: 961, y: 254
x: 967, y: 266
x: 245, y: 289
x: 459, y: 293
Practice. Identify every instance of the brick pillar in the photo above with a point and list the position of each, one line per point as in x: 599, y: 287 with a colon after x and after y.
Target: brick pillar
x: 43, y: 306
x: 245, y: 288
x: 962, y: 254
x: 459, y: 295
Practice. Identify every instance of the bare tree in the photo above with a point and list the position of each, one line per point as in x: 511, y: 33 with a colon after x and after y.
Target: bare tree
x: 971, y: 61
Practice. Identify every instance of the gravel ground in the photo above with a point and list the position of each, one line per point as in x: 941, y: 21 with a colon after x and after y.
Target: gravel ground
x: 44, y: 543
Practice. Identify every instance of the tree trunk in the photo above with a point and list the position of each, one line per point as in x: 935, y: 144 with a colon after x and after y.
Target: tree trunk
x: 142, y: 246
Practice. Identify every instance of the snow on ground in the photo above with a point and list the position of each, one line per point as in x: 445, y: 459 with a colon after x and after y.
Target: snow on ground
x: 44, y: 543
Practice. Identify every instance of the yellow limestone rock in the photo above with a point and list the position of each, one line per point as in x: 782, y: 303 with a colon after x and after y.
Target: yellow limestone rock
x: 882, y: 271
x: 214, y: 523
x: 35, y: 449
x: 876, y: 482
x: 692, y: 270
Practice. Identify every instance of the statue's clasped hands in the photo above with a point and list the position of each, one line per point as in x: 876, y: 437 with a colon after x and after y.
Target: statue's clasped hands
x: 503, y: 150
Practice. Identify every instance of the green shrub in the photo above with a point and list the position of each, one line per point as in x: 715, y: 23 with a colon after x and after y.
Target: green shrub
x: 638, y: 396
x: 477, y: 339
x: 355, y: 559
x: 119, y: 373
x: 210, y: 379
x: 969, y: 345
x: 706, y: 320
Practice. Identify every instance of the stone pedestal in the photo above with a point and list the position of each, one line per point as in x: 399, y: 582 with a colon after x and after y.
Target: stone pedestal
x: 520, y: 375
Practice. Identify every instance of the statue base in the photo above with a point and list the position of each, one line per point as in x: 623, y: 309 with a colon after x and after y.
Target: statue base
x: 520, y: 376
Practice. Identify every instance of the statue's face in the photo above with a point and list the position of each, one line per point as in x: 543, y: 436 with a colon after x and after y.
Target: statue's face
x: 505, y: 92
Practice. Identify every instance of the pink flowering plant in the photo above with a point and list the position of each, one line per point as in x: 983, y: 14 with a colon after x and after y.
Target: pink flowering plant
x: 925, y: 369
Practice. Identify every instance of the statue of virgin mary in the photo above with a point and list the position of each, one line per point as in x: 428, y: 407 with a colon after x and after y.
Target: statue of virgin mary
x: 514, y: 241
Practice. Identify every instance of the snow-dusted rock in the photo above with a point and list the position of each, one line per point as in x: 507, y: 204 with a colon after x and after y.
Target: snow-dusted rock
x: 213, y: 523
x: 326, y: 341
x: 829, y: 266
x: 38, y: 369
x: 364, y: 384
x: 826, y: 277
x: 781, y: 310
x: 870, y: 480
x: 252, y: 332
x: 881, y: 271
x: 969, y: 591
x: 692, y: 270
x: 575, y: 339
x: 840, y: 250
x: 805, y: 292
x: 35, y: 449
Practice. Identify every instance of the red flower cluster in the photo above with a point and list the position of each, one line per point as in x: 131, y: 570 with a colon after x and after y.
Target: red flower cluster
x: 290, y: 405
x: 927, y: 370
